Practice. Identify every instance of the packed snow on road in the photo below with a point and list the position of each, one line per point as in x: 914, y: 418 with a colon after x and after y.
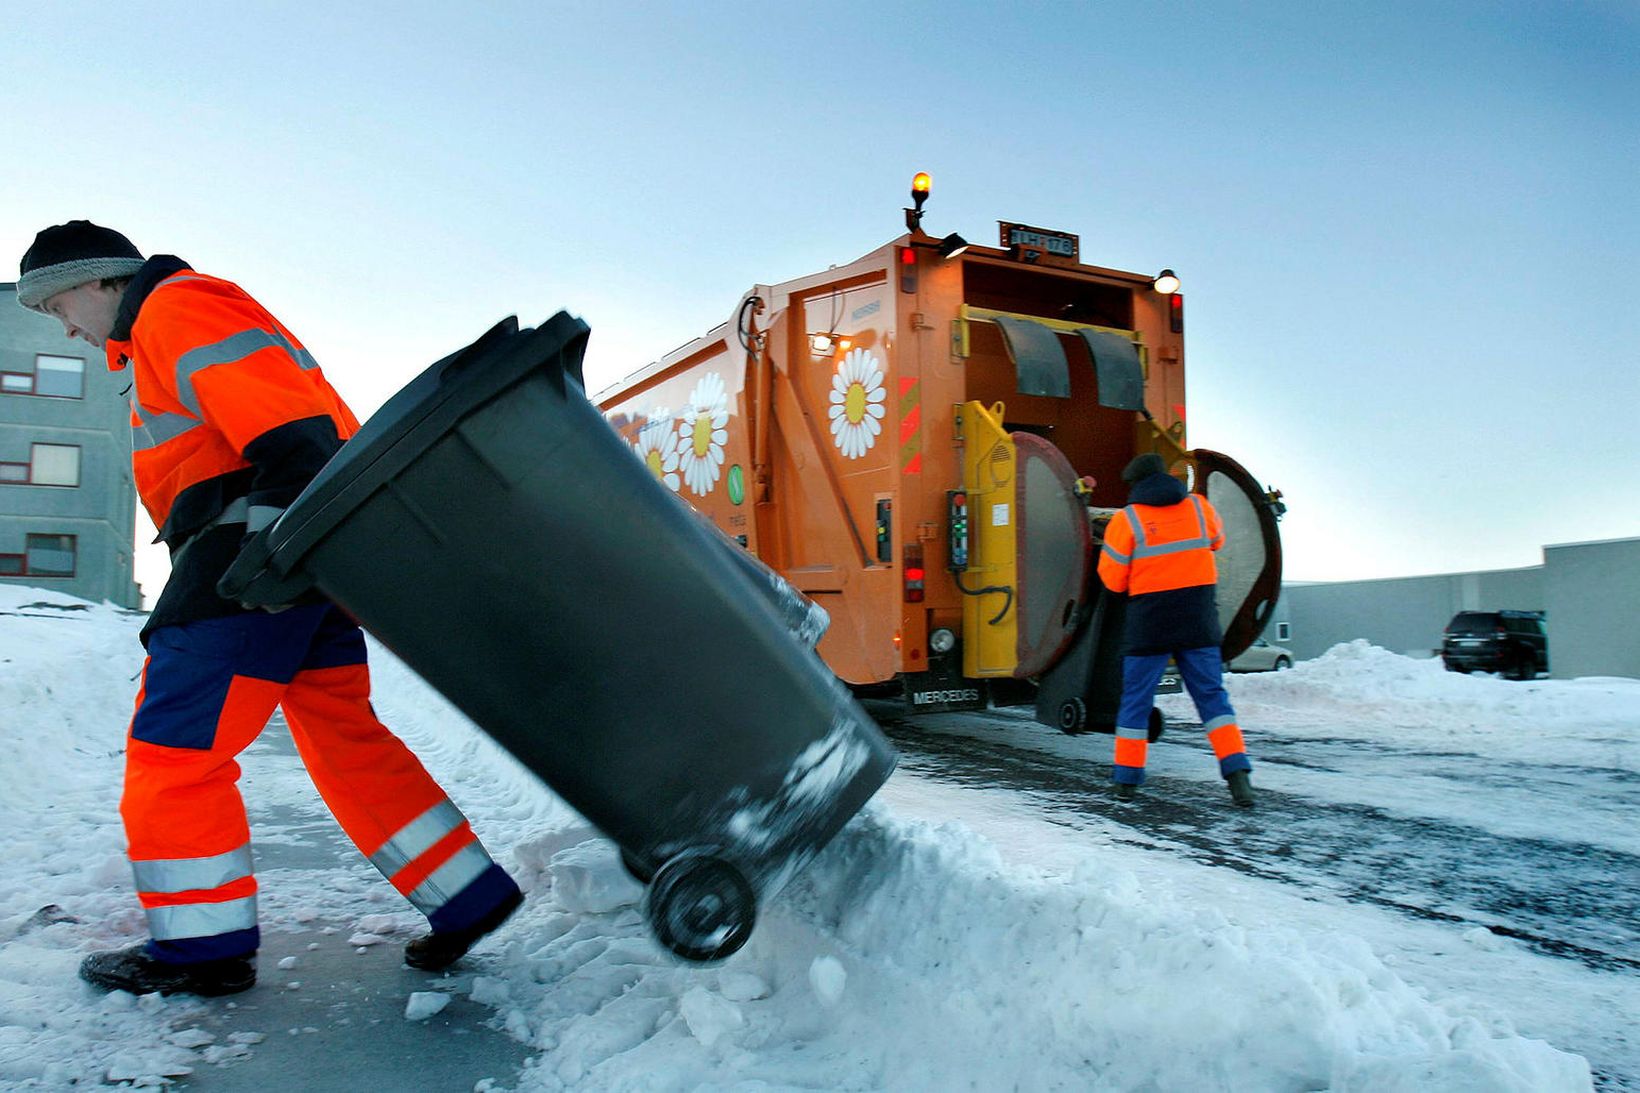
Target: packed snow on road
x: 952, y: 936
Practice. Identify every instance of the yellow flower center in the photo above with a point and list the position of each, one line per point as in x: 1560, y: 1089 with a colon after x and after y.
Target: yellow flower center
x: 653, y: 461
x: 703, y: 435
x: 854, y: 403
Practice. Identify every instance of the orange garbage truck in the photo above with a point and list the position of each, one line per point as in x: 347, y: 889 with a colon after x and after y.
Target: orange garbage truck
x: 928, y: 442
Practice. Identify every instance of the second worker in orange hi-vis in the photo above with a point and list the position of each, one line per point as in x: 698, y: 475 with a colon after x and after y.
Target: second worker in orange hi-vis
x: 231, y: 419
x: 1159, y: 551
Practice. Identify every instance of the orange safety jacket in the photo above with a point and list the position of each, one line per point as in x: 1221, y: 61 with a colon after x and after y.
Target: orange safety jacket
x: 1159, y: 550
x: 231, y: 419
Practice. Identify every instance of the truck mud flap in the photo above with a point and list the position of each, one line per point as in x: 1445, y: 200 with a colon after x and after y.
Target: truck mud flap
x: 490, y: 528
x: 943, y: 689
x: 1039, y: 360
x: 1116, y: 363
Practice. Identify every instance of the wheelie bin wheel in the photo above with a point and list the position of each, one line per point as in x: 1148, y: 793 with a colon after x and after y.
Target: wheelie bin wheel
x: 1073, y: 716
x: 1154, y: 730
x: 700, y: 907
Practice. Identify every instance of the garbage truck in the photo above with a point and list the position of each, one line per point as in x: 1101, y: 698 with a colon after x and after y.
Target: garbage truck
x: 928, y: 442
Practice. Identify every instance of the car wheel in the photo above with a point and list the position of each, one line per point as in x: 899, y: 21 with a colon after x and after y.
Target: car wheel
x: 1526, y: 667
x: 1282, y: 664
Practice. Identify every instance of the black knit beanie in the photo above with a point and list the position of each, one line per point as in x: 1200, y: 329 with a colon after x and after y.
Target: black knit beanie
x: 1143, y: 466
x: 71, y: 254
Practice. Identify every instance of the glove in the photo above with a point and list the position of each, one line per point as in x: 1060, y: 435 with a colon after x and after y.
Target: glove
x: 250, y: 571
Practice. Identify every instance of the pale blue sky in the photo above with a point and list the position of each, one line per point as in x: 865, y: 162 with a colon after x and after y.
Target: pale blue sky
x: 1408, y: 233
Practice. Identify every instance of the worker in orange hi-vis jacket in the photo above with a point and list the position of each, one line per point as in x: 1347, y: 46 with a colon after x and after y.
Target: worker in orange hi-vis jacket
x: 231, y: 418
x: 1159, y: 550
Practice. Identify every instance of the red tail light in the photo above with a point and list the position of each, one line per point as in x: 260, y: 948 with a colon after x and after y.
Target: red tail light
x: 908, y: 270
x: 912, y: 569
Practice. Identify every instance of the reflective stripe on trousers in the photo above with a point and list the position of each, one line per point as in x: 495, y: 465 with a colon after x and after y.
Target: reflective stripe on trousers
x: 432, y: 858
x: 196, y: 897
x: 182, y: 921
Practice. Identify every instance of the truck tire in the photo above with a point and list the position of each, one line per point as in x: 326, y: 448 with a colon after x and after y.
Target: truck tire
x: 1073, y: 717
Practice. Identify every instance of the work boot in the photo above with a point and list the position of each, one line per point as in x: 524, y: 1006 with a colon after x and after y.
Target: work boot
x: 140, y: 972
x: 1241, y: 789
x: 438, y: 950
x: 1126, y: 791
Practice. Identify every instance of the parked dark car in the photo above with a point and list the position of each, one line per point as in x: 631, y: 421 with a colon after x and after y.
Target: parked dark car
x: 1515, y: 643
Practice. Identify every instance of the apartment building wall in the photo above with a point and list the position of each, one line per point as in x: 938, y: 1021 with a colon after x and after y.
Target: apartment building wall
x: 67, y: 501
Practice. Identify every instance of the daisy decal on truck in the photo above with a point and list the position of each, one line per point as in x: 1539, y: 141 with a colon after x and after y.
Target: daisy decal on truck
x: 657, y: 447
x: 702, y: 432
x: 857, y: 403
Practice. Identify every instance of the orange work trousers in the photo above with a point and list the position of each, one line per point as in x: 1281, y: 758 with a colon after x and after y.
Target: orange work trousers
x: 208, y: 690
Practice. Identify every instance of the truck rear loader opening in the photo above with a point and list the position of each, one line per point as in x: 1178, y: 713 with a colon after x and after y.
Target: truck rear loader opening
x: 928, y: 441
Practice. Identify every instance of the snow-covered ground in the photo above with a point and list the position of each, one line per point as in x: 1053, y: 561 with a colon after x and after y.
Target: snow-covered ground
x: 951, y: 938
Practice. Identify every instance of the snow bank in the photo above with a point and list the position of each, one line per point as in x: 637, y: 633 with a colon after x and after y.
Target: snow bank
x: 1374, y: 694
x: 910, y: 956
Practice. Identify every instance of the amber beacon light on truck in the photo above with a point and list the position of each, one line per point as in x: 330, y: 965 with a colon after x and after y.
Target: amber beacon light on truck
x: 928, y: 442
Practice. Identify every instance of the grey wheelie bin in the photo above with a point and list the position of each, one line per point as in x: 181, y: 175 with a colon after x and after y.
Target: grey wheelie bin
x: 490, y: 528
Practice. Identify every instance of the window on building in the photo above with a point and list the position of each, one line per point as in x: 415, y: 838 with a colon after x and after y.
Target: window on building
x: 55, y: 465
x: 60, y: 377
x: 49, y: 556
x: 53, y: 377
x: 48, y: 465
x: 1284, y: 631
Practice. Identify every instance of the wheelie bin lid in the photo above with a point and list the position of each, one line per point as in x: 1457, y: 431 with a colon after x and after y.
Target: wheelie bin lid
x: 268, y: 571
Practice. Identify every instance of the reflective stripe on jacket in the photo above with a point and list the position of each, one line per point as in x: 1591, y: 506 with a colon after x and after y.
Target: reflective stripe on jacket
x: 1151, y: 548
x: 212, y: 373
x: 231, y: 419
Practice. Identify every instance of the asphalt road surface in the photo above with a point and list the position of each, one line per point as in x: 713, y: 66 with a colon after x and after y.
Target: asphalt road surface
x: 1562, y: 898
